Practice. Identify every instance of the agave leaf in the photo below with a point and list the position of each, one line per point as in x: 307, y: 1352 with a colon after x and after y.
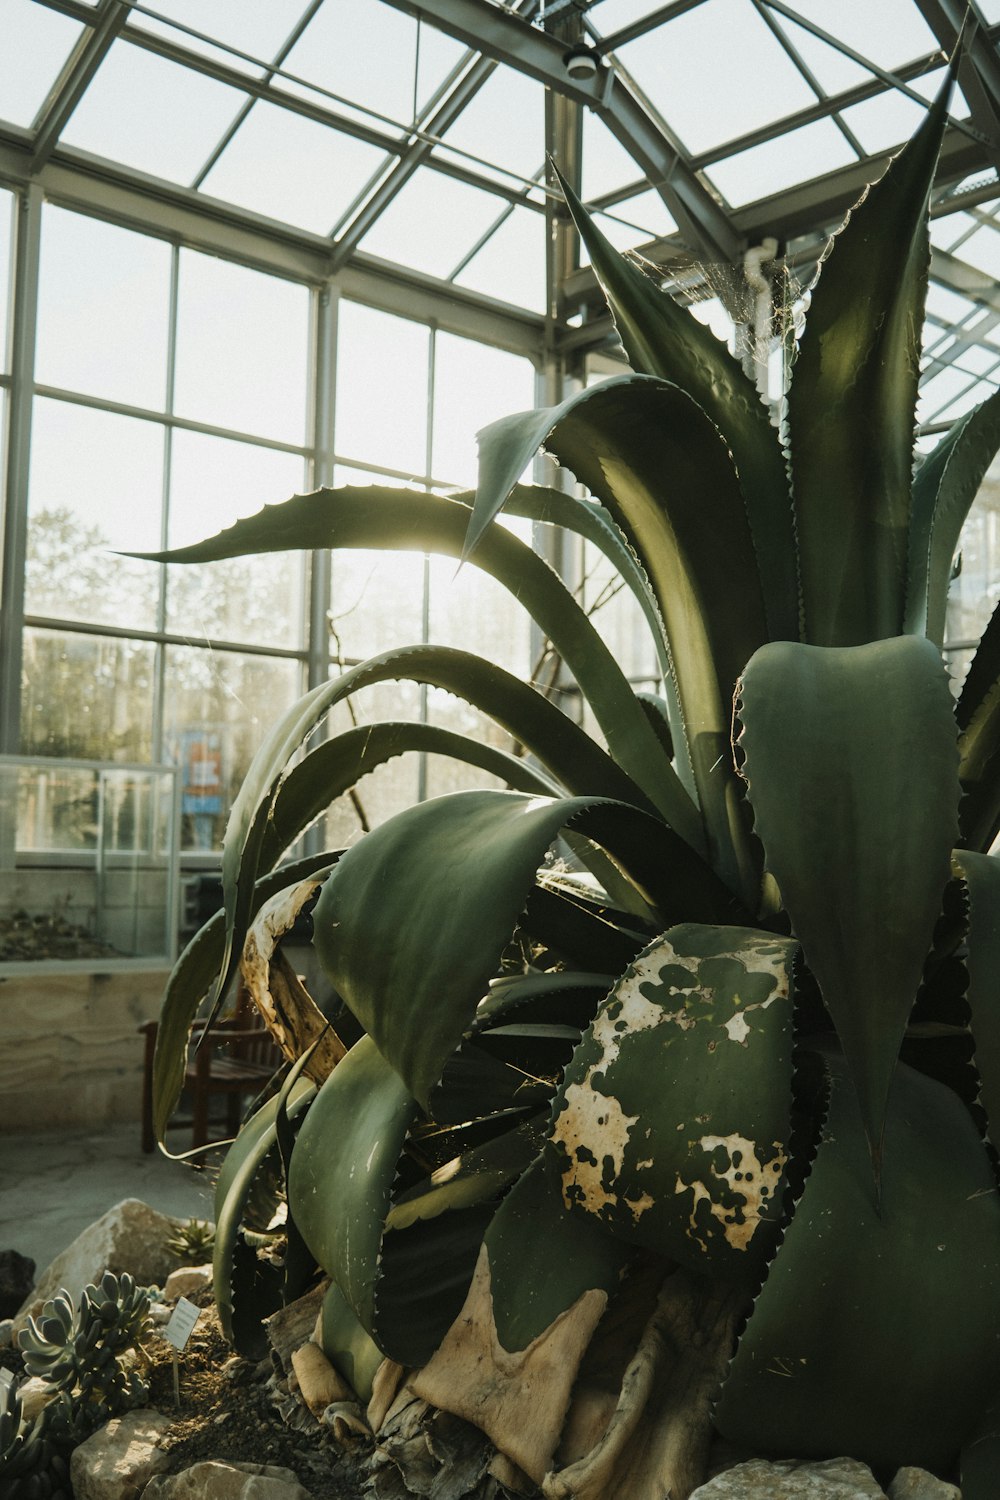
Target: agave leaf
x: 944, y: 488
x: 851, y: 768
x: 588, y: 519
x: 662, y: 469
x: 662, y: 338
x: 400, y: 519
x: 978, y: 715
x: 191, y: 979
x: 569, y: 754
x: 980, y: 1460
x: 555, y: 997
x: 343, y: 1166
x: 852, y: 401
x: 981, y: 874
x: 466, y: 862
x: 246, y: 1288
x: 672, y: 1123
x: 833, y: 1359
x: 338, y: 764
x: 432, y: 1241
x: 580, y: 931
x: 346, y: 1344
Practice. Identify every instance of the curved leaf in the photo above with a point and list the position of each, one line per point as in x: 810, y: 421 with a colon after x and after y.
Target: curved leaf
x: 876, y: 1335
x: 347, y: 1345
x: 466, y: 862
x: 400, y: 519
x: 232, y: 1260
x: 944, y: 488
x: 672, y: 1124
x: 191, y: 979
x: 978, y: 715
x: 338, y: 764
x: 662, y: 338
x: 662, y: 469
x: 852, y: 401
x: 981, y: 874
x: 343, y: 1166
x: 851, y: 769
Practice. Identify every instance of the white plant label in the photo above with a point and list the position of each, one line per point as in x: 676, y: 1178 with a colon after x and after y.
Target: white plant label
x: 6, y: 1377
x: 182, y: 1320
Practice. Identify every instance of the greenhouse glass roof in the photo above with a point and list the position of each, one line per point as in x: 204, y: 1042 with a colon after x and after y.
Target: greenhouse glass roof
x: 415, y: 133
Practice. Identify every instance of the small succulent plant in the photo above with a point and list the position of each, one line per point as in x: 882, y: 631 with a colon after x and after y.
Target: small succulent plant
x: 78, y: 1351
x: 194, y: 1242
x: 32, y: 1465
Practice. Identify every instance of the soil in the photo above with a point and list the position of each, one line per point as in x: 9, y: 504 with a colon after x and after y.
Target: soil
x: 227, y: 1411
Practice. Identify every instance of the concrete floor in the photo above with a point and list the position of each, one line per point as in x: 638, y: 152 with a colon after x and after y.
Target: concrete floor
x: 53, y: 1185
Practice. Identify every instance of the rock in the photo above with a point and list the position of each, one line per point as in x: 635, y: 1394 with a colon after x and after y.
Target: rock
x: 917, y: 1484
x: 6, y: 1332
x: 118, y: 1461
x: 17, y: 1277
x: 185, y: 1280
x: 129, y: 1237
x: 793, y: 1479
x: 34, y: 1394
x: 228, y: 1481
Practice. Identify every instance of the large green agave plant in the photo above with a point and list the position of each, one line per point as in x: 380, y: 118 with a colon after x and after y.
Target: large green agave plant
x: 686, y: 1132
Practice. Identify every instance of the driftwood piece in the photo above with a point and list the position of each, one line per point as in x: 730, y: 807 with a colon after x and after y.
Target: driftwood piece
x: 292, y: 1326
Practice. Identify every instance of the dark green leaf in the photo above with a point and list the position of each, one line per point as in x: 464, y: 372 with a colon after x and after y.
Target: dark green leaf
x: 852, y: 401
x: 542, y: 1259
x: 343, y: 1167
x: 851, y: 768
x: 944, y: 488
x: 981, y: 874
x: 246, y: 1288
x: 347, y: 1345
x: 399, y: 519
x: 662, y: 338
x: 978, y: 715
x: 663, y: 471
x: 466, y: 863
x: 673, y: 1121
x: 876, y: 1335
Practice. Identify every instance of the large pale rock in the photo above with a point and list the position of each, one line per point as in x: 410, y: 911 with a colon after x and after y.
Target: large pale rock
x: 917, y: 1484
x: 185, y: 1280
x: 118, y: 1461
x: 793, y: 1479
x: 34, y: 1394
x: 129, y: 1237
x: 228, y: 1481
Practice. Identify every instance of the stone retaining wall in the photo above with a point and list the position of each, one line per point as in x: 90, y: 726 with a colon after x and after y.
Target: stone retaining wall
x: 70, y: 1053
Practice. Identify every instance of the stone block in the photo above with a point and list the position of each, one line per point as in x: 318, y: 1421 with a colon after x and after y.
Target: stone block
x: 228, y: 1481
x: 185, y: 1280
x: 917, y: 1484
x: 118, y: 1461
x: 793, y: 1479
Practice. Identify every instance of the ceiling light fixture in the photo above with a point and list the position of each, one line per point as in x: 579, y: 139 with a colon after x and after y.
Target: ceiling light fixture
x: 580, y: 61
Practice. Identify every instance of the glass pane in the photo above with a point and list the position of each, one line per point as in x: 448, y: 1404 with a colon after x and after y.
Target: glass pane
x: 432, y: 223
x: 379, y: 796
x: 972, y: 596
x: 327, y: 54
x: 636, y: 221
x: 616, y: 614
x: 606, y: 164
x: 293, y: 169
x: 152, y: 114
x: 219, y: 706
x: 253, y: 599
x: 6, y: 270
x: 939, y: 391
x: 86, y: 697
x: 382, y: 372
x: 471, y: 610
x: 473, y: 386
x: 504, y: 124
x: 242, y: 349
x: 37, y: 43
x: 833, y: 70
x: 377, y: 603
x: 781, y: 163
x: 259, y: 30
x: 707, y: 104
x: 982, y: 250
x: 511, y: 265
x: 890, y: 118
x: 446, y: 775
x: 103, y: 310
x: 890, y: 33
x: 96, y: 483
